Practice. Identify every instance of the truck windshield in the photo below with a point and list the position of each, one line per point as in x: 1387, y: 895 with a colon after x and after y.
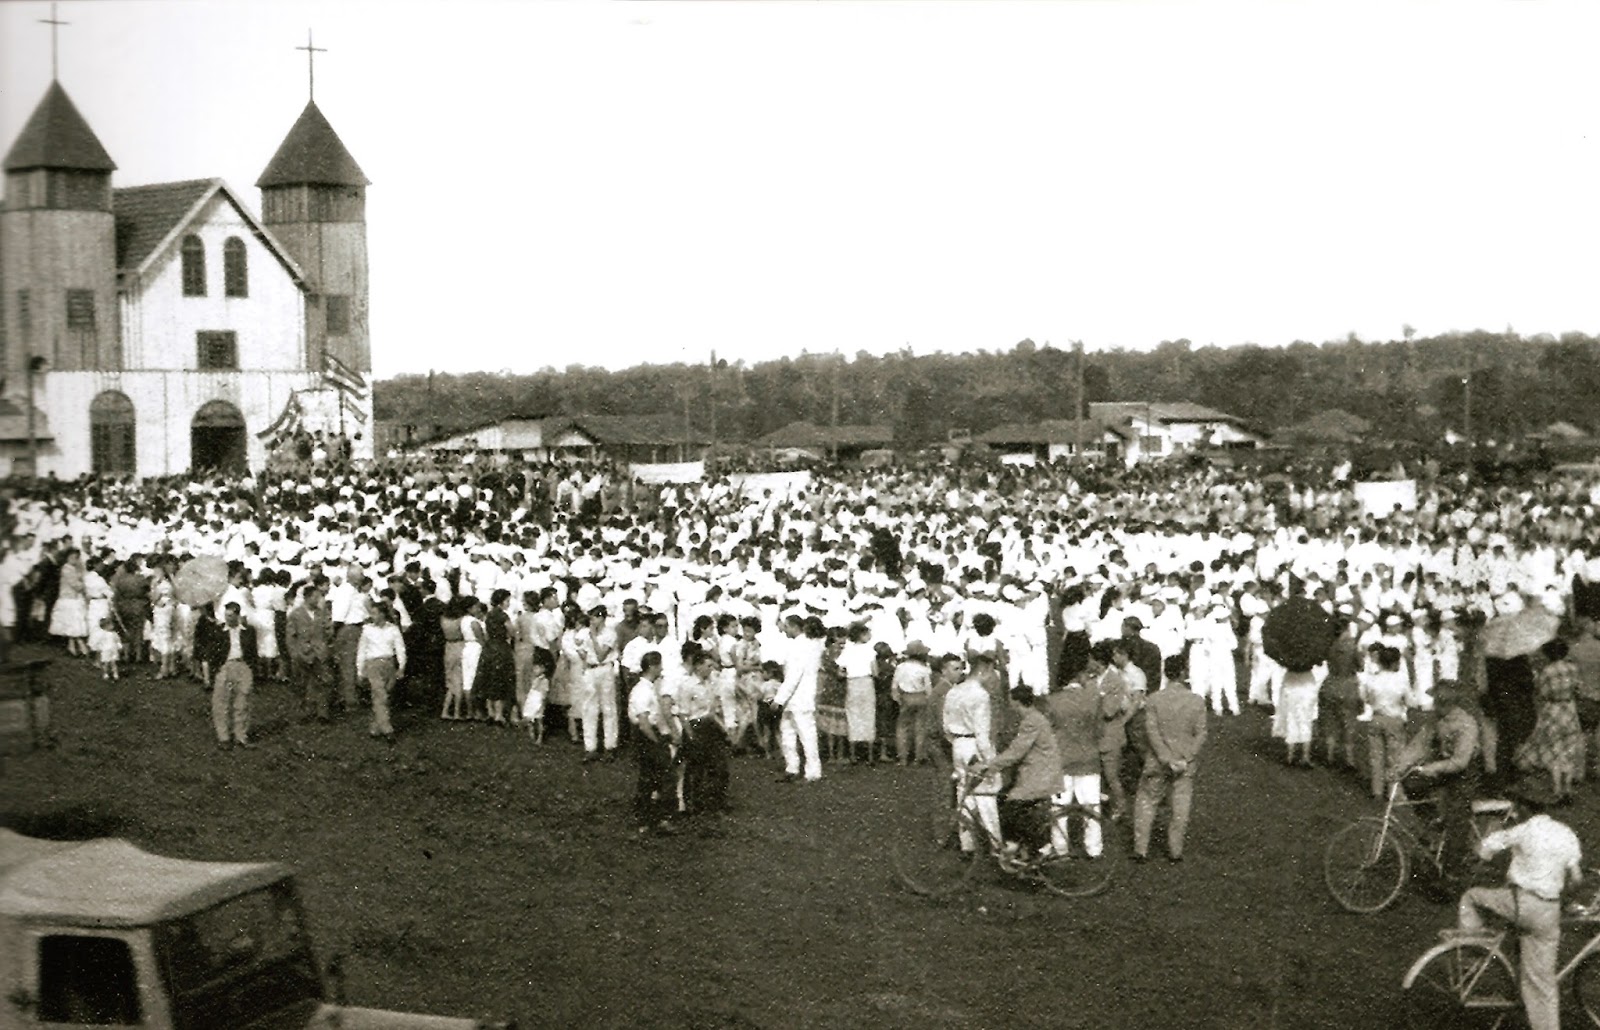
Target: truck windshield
x: 239, y: 962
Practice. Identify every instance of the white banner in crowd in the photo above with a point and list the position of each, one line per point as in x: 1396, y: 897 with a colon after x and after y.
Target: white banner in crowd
x: 1019, y: 459
x: 782, y: 484
x: 1381, y: 498
x: 669, y: 472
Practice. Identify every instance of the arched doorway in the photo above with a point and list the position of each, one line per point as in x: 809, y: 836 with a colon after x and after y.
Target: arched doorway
x: 111, y: 437
x: 216, y: 438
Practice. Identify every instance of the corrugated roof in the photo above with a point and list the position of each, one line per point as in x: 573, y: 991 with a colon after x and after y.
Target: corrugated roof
x: 56, y: 136
x: 149, y: 218
x: 1049, y: 431
x: 1161, y: 411
x: 807, y: 434
x: 631, y: 429
x: 314, y: 154
x: 147, y: 215
x: 1334, y: 425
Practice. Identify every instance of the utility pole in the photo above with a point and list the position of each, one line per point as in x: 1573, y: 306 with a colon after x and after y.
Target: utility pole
x: 713, y: 400
x: 1077, y: 401
x: 683, y: 449
x: 833, y: 437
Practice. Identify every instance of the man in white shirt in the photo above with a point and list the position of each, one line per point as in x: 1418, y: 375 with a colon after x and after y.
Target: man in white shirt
x: 597, y: 646
x: 654, y: 799
x: 1545, y: 857
x: 381, y: 657
x: 797, y: 699
x: 347, y: 605
x: 967, y: 722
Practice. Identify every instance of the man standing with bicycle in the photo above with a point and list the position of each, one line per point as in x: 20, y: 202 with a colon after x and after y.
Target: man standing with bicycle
x: 1442, y: 763
x: 1545, y: 857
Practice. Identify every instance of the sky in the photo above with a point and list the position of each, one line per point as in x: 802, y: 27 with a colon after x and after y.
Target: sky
x: 614, y: 183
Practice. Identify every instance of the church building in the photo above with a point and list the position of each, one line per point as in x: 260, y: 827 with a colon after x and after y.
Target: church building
x: 167, y: 329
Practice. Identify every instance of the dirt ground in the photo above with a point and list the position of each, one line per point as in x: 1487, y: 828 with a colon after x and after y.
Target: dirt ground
x: 468, y: 872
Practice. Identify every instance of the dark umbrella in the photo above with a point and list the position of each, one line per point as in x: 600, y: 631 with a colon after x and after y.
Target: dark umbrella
x: 1298, y: 634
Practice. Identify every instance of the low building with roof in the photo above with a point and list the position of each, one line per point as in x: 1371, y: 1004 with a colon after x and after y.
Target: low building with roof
x: 639, y: 439
x: 848, y: 443
x: 1166, y: 428
x: 1333, y: 426
x: 1058, y: 439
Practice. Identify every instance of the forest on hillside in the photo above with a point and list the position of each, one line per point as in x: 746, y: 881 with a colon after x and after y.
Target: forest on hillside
x: 1409, y: 389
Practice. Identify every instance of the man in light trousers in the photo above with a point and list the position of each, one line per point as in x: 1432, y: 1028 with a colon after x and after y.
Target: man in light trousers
x: 1545, y: 857
x: 230, y: 691
x: 381, y: 657
x: 598, y: 647
x: 797, y: 698
x: 968, y: 720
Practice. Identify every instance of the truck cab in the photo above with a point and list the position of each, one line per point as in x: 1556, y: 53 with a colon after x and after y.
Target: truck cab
x: 101, y: 934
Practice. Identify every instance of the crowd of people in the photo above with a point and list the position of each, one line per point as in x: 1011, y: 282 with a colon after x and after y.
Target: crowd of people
x: 1068, y: 627
x: 821, y: 616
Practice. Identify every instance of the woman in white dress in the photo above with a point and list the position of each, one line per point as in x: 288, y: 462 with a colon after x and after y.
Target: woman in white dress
x: 472, y: 638
x: 266, y: 602
x: 69, y: 618
x: 97, y: 597
x: 163, y: 631
x: 577, y: 679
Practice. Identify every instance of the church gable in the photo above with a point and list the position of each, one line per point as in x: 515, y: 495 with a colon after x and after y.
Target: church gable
x: 153, y: 220
x: 216, y: 293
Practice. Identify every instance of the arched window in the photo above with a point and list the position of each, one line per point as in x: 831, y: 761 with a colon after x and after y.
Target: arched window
x: 111, y: 439
x: 235, y: 281
x: 194, y: 267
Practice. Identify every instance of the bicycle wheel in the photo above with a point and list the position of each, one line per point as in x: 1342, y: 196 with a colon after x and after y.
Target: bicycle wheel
x: 1076, y: 873
x: 927, y: 856
x: 1364, y: 866
x: 1461, y: 984
x: 1586, y: 984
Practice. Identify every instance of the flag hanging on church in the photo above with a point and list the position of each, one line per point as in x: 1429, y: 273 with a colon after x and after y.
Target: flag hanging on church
x: 285, y: 425
x: 343, y: 378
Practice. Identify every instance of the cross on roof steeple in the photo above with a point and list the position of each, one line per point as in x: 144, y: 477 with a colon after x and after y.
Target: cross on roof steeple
x: 311, y: 64
x: 54, y: 23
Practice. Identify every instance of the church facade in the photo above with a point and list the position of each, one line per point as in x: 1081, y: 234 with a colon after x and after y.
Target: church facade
x: 167, y: 329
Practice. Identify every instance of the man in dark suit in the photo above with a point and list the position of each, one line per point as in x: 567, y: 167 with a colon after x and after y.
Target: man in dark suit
x: 310, y: 638
x: 235, y: 655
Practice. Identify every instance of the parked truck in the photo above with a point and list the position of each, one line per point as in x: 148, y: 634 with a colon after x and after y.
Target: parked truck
x: 101, y: 933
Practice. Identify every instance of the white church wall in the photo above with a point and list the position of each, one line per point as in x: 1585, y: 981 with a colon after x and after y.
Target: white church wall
x: 160, y: 324
x: 164, y: 404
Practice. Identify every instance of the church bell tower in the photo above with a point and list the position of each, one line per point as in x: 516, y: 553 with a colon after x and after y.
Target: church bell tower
x: 314, y: 198
x: 58, y: 258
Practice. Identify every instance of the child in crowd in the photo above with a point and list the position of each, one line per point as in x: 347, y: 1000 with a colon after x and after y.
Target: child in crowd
x: 108, y: 645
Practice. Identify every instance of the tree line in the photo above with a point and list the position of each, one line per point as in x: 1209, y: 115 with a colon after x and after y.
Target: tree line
x: 1491, y: 385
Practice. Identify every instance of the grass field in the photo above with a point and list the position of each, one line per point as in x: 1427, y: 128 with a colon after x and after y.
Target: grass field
x: 466, y: 872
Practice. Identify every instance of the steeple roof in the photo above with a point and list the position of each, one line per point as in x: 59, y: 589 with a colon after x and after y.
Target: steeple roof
x: 312, y: 153
x: 56, y: 136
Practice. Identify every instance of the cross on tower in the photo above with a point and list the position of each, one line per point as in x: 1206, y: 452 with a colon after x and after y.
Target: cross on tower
x: 54, y: 23
x: 311, y: 64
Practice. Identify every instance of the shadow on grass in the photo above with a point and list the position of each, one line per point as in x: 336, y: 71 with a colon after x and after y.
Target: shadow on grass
x: 70, y: 822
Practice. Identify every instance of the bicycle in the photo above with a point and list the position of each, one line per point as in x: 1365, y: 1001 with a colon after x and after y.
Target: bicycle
x: 928, y: 861
x: 1473, y: 981
x: 1367, y: 861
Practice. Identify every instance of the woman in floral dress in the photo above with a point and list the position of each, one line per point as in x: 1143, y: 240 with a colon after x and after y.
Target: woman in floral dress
x: 1556, y: 743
